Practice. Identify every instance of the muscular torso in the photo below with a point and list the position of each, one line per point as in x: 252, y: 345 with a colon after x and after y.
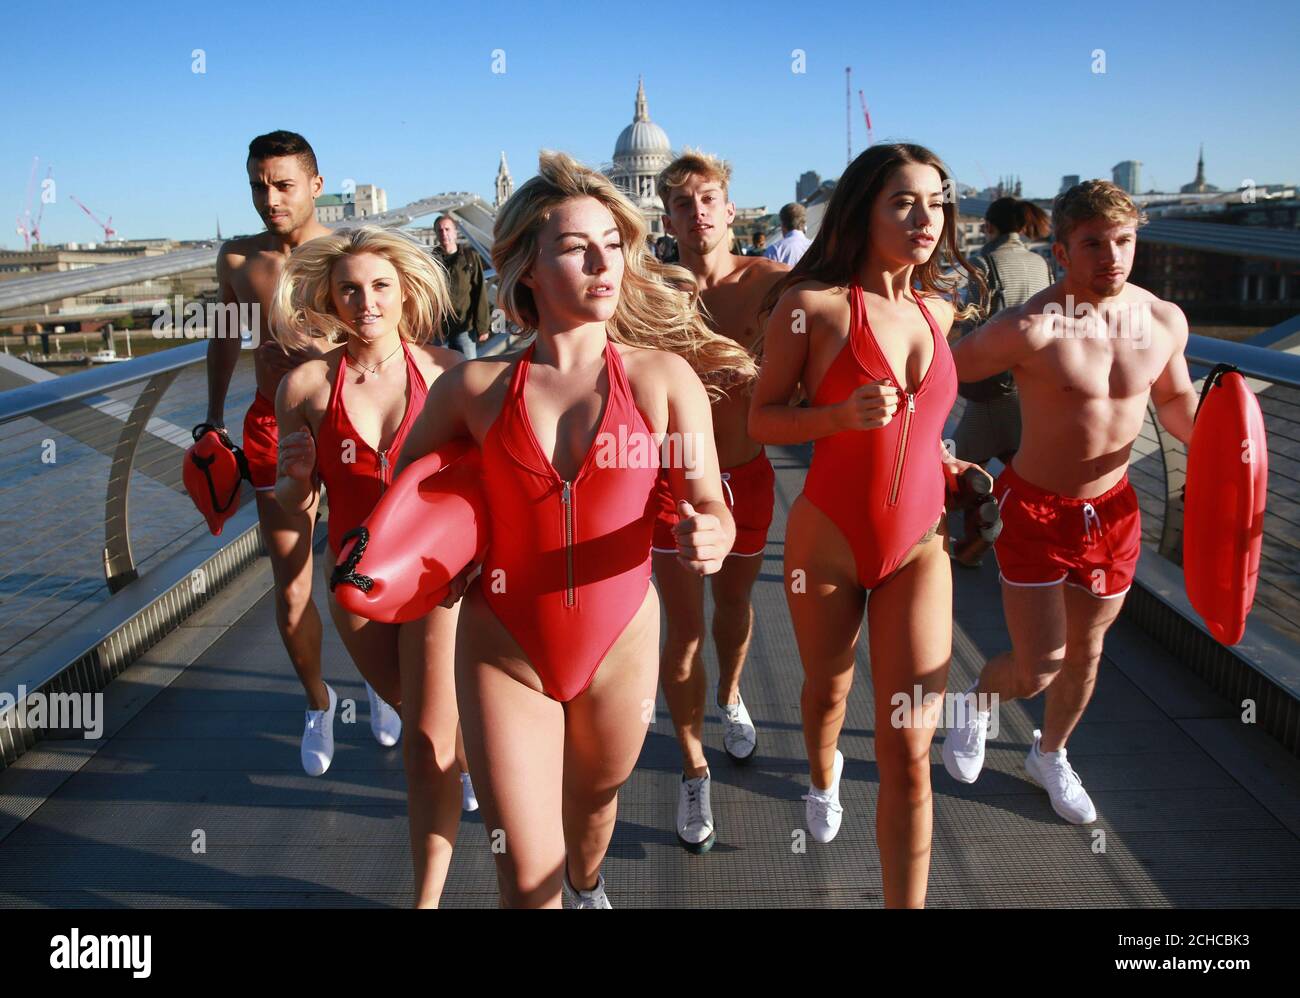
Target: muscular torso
x: 252, y: 273
x: 732, y: 306
x: 1083, y: 394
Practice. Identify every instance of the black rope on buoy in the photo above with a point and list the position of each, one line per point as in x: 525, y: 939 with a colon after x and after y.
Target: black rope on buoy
x: 346, y: 572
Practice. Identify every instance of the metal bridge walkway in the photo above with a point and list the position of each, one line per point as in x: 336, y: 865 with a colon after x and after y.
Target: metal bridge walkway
x: 1196, y: 808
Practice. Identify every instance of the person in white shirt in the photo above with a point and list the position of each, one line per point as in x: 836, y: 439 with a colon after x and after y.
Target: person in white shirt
x: 793, y: 242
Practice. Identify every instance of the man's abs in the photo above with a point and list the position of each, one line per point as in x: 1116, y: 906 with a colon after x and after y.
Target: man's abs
x: 731, y: 431
x: 1076, y: 447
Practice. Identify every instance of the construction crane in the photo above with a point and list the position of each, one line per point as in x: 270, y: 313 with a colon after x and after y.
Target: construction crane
x: 24, y: 228
x: 109, y: 231
x: 871, y: 140
x: 40, y: 212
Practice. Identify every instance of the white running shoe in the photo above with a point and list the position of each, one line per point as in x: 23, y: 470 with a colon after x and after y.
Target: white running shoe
x: 385, y: 723
x: 318, y: 737
x: 594, y: 898
x: 739, y: 737
x: 963, y: 748
x: 695, y: 815
x: 1053, y: 773
x: 468, y: 801
x: 823, y: 812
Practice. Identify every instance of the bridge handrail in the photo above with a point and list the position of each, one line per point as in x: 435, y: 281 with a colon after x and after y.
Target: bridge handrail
x: 1253, y: 361
x: 31, y: 399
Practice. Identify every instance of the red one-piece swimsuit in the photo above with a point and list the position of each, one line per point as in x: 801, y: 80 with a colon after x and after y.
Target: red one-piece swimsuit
x: 568, y: 564
x: 883, y: 488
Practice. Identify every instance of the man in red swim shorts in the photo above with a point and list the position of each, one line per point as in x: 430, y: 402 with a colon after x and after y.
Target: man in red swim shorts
x: 283, y: 177
x: 693, y: 189
x: 1087, y: 354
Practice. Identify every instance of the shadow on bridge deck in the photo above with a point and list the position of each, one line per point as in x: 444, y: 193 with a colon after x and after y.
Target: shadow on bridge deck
x: 1196, y: 809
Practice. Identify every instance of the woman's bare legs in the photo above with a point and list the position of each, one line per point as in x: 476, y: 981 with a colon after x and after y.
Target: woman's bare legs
x: 426, y: 651
x: 826, y: 602
x: 539, y: 774
x: 909, y: 620
x: 911, y: 644
x: 604, y: 731
x: 412, y: 667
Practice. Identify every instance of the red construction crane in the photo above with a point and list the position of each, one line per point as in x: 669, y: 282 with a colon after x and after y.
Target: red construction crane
x: 867, y: 114
x: 109, y: 231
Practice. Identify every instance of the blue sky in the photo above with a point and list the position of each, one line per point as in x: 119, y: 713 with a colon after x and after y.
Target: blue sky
x: 403, y: 94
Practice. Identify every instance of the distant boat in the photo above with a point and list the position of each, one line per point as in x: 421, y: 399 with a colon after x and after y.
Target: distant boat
x: 55, y: 359
x: 109, y: 354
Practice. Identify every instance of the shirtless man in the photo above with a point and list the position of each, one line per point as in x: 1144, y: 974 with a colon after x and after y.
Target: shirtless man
x: 282, y: 174
x: 1087, y: 353
x: 693, y: 190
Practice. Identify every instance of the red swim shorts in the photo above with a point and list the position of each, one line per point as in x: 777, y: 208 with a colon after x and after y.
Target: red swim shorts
x: 1047, y: 538
x: 261, y: 442
x: 750, y: 491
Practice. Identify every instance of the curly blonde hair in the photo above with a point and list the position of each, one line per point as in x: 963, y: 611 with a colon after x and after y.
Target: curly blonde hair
x: 657, y: 303
x: 301, y: 304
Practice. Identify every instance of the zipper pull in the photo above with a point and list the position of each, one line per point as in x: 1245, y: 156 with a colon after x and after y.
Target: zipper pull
x: 383, y: 465
x: 911, y: 402
x: 564, y: 495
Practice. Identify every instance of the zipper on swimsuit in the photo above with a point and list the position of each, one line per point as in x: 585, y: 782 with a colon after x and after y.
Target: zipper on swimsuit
x: 902, y: 449
x: 383, y: 468
x: 566, y: 497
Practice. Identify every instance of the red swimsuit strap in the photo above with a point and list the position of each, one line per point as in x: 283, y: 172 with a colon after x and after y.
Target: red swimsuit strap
x: 859, y: 338
x: 415, y: 388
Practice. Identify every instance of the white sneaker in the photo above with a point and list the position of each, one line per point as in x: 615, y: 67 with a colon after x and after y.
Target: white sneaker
x: 468, y: 801
x: 739, y: 737
x: 385, y: 723
x: 594, y: 898
x: 963, y: 748
x: 1052, y: 772
x: 318, y: 737
x: 823, y: 812
x: 695, y: 815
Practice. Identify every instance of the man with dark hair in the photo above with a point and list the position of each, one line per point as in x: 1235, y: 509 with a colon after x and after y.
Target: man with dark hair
x: 468, y: 322
x: 793, y: 242
x: 273, y: 145
x: 1087, y: 354
x: 757, y: 244
x: 284, y: 184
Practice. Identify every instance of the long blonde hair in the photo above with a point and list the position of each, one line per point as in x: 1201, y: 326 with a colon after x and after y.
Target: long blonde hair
x: 302, y: 306
x: 657, y: 303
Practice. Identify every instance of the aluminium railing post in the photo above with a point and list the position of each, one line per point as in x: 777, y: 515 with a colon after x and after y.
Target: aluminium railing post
x: 119, y: 564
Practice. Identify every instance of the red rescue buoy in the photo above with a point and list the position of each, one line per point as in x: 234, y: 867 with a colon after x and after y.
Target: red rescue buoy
x: 424, y: 531
x: 213, y: 470
x: 1223, y: 506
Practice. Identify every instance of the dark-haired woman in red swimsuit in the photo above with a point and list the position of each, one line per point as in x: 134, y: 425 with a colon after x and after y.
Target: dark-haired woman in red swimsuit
x: 861, y: 323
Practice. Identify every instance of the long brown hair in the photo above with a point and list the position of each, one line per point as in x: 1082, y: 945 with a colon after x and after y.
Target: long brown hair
x: 844, y: 239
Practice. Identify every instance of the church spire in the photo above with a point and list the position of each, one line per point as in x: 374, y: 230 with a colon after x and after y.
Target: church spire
x: 1200, y: 166
x: 642, y: 108
x: 505, y: 184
